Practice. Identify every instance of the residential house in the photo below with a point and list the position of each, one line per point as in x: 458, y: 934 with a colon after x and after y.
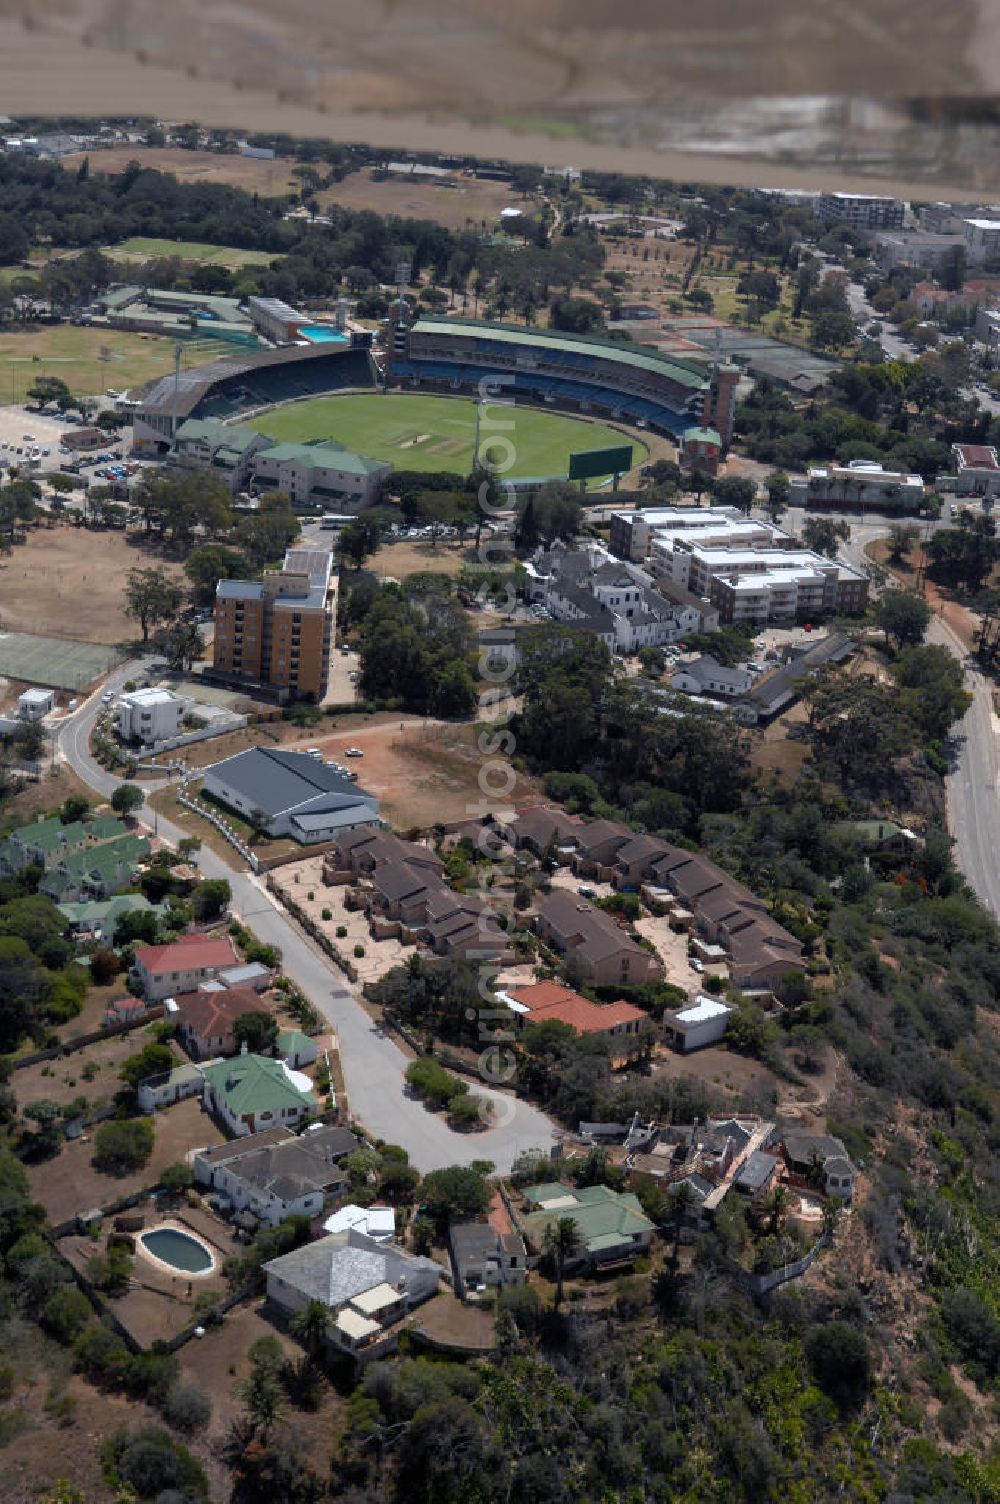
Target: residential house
x: 543, y: 830
x: 95, y: 872
x: 125, y: 1010
x: 205, y: 1018
x: 702, y: 1023
x: 250, y: 1092
x: 290, y: 794
x: 484, y: 1259
x: 632, y: 861
x: 149, y: 716
x: 41, y: 842
x: 182, y: 966
x: 759, y: 951
x: 597, y: 846
x: 296, y: 1177
x: 295, y: 1048
x: 611, y: 1226
x: 592, y: 942
x: 805, y: 1152
x: 167, y: 1087
x: 101, y: 919
x: 880, y: 837
x: 541, y: 1002
x: 757, y: 1174
x: 707, y: 676
x: 368, y: 1287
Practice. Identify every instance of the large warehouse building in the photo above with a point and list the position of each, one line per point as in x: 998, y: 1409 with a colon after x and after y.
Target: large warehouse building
x: 633, y: 383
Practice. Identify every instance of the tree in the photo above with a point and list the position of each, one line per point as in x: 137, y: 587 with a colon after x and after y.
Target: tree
x: 257, y: 1030
x: 682, y: 1200
x: 187, y: 1408
x: 180, y: 643
x: 176, y: 1178
x: 904, y: 618
x: 824, y: 536
x: 310, y: 1326
x: 271, y: 529
x: 779, y: 489
x: 127, y: 798
x: 207, y: 565
x: 47, y: 1115
x: 359, y: 539
x: 840, y: 1359
x: 902, y: 537
x: 123, y: 1147
x: 262, y: 1396
x: 65, y: 1314
x: 553, y: 511
x: 734, y: 491
x: 153, y: 1462
x: 561, y: 1241
x: 458, y: 1191
x: 210, y: 898
x: 151, y: 597
x: 932, y: 683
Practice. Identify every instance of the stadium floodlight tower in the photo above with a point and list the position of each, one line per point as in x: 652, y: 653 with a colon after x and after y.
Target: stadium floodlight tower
x: 177, y: 390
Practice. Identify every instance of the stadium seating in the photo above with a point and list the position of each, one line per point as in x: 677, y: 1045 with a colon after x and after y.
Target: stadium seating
x: 283, y: 383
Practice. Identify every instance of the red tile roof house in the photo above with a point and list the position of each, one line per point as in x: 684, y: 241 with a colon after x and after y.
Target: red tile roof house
x: 592, y: 942
x: 162, y: 971
x: 124, y: 1010
x: 539, y: 1002
x: 205, y: 1019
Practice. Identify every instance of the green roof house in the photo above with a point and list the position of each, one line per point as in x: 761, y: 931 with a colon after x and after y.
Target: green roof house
x: 252, y: 1092
x: 42, y: 842
x: 99, y: 919
x: 295, y: 1048
x: 96, y: 871
x: 611, y: 1226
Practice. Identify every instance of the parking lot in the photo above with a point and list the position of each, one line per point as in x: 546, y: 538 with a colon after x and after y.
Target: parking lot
x: 22, y: 429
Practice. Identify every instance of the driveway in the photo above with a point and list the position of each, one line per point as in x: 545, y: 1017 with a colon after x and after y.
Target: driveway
x: 373, y: 1064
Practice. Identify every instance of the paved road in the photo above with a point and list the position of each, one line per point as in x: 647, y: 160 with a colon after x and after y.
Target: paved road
x: 373, y: 1064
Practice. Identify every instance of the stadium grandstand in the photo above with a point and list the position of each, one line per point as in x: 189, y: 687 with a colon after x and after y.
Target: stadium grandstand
x: 630, y: 383
x: 239, y: 384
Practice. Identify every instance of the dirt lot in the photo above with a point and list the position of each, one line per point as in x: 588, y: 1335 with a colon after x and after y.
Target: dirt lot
x: 49, y: 792
x: 424, y: 775
x: 474, y: 198
x: 69, y: 1183
x: 300, y: 879
x: 746, y: 1084
x: 64, y: 1079
x: 256, y: 176
x: 70, y: 581
x: 400, y: 560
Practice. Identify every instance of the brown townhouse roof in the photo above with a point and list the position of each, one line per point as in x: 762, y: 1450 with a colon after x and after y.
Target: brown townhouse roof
x: 641, y: 849
x: 600, y: 834
x: 542, y: 825
x: 595, y: 934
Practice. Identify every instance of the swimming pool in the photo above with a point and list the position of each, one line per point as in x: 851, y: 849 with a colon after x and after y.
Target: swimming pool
x: 180, y: 1250
x: 322, y: 334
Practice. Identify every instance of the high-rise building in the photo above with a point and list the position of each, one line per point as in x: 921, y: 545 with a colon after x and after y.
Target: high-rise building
x: 862, y: 211
x: 275, y: 633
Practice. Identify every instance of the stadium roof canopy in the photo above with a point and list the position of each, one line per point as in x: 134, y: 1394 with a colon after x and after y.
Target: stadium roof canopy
x: 170, y: 396
x: 692, y: 374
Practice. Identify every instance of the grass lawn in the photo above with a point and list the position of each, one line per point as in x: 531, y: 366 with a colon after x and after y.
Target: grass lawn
x: 416, y: 432
x: 90, y: 360
x: 143, y: 247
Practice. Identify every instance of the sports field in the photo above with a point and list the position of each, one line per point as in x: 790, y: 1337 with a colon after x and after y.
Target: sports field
x: 415, y: 432
x: 90, y: 360
x: 53, y: 661
x: 144, y: 247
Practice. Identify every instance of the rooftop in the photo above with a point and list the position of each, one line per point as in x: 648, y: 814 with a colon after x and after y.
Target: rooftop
x: 255, y: 1083
x: 189, y: 953
x: 275, y: 781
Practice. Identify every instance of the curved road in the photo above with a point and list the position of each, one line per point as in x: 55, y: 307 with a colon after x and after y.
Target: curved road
x: 973, y: 785
x: 373, y: 1064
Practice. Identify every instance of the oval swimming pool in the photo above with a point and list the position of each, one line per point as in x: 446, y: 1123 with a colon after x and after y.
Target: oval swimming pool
x: 178, y: 1249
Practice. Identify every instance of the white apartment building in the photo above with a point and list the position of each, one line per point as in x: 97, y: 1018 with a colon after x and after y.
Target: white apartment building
x: 762, y: 585
x: 633, y: 533
x: 150, y: 715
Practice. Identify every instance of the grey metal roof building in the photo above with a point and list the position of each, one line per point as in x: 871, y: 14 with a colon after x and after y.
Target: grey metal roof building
x: 339, y: 1268
x: 296, y: 795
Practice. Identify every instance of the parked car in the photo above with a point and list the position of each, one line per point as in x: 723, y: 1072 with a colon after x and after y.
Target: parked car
x: 354, y: 752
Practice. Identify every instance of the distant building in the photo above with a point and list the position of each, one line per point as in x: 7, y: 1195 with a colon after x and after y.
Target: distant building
x: 860, y: 485
x: 917, y: 248
x: 977, y: 471
x: 862, y: 211
x: 701, y: 449
x: 982, y: 240
x: 274, y: 319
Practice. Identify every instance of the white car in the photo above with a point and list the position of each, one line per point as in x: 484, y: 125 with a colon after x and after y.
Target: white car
x: 354, y: 752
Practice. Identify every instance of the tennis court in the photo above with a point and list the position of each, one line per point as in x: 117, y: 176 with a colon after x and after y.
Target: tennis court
x: 54, y: 661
